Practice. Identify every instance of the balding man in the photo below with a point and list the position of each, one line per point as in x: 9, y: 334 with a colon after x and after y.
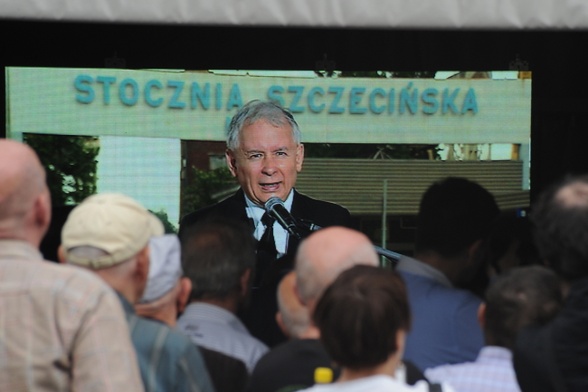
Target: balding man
x: 291, y: 364
x: 62, y: 328
x: 326, y: 253
x: 320, y: 258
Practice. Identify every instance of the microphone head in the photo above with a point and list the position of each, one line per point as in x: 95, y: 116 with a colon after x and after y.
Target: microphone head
x: 271, y: 203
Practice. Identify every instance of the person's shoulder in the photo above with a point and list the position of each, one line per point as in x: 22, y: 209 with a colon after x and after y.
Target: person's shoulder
x: 171, y: 340
x: 275, y: 357
x: 310, y: 201
x: 73, y: 279
x: 233, y: 206
x: 320, y: 212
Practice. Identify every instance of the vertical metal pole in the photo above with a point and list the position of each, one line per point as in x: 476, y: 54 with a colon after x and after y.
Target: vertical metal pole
x: 384, y: 220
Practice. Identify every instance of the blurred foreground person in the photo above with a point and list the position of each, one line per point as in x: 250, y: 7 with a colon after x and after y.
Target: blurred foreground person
x: 520, y: 297
x: 455, y: 215
x: 63, y: 329
x: 165, y: 298
x: 553, y: 357
x: 296, y: 363
x: 218, y: 255
x: 363, y: 318
x: 109, y: 233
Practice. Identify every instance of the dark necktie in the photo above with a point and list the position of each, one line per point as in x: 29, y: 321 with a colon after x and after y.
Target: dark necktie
x: 266, y: 249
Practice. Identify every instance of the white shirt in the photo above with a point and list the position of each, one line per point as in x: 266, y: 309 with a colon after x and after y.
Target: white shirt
x: 377, y: 383
x: 255, y: 212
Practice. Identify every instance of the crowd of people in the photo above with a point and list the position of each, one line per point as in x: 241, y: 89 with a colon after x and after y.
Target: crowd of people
x: 237, y: 301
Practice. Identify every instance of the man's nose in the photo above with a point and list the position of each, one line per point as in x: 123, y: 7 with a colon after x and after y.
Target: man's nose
x: 269, y: 165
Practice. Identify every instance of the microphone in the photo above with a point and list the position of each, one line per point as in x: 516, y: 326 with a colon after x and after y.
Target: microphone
x: 274, y: 206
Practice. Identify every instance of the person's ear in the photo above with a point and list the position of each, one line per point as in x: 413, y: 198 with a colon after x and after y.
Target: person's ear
x: 473, y: 250
x: 184, y: 294
x: 143, y: 262
x: 482, y: 314
x: 61, y: 255
x: 280, y: 322
x: 245, y: 281
x: 299, y: 157
x: 400, y: 342
x: 231, y: 162
x: 42, y: 211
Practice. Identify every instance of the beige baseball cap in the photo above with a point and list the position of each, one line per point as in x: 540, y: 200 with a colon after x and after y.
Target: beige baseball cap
x: 112, y: 222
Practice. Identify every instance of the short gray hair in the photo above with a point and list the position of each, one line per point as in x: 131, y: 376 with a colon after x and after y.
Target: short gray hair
x: 260, y: 110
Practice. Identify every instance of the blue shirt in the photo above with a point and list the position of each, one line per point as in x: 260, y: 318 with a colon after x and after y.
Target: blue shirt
x: 445, y: 326
x: 168, y: 360
x: 492, y: 371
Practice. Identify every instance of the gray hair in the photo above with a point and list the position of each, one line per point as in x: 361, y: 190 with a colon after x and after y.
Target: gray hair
x: 260, y: 110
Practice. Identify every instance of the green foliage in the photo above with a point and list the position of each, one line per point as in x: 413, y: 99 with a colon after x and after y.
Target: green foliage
x: 71, y: 165
x: 203, y: 190
x: 164, y: 218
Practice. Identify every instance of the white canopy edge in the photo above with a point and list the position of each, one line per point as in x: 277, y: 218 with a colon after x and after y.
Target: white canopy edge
x: 387, y: 14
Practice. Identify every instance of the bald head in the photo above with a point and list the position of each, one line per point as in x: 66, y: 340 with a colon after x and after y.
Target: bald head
x: 25, y: 206
x: 573, y: 195
x: 323, y: 255
x: 293, y: 317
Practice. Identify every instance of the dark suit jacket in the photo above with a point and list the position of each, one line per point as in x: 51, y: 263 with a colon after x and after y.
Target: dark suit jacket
x: 260, y: 315
x: 304, y: 208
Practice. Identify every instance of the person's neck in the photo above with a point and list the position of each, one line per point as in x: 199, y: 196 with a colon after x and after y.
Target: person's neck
x: 230, y: 303
x: 311, y: 332
x: 387, y: 368
x: 124, y: 287
x: 450, y: 267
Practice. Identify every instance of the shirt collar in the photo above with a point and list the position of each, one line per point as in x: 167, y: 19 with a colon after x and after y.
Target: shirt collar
x: 10, y: 248
x: 416, y: 267
x: 255, y: 212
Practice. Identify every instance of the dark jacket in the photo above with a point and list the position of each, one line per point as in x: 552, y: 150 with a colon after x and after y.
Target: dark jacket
x: 260, y: 315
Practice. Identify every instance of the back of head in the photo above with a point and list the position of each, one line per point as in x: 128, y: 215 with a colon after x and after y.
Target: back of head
x: 293, y: 315
x: 323, y: 255
x: 520, y: 297
x: 106, y: 230
x: 215, y: 255
x: 25, y: 204
x: 165, y: 268
x: 360, y: 315
x: 509, y: 244
x: 453, y: 214
x: 260, y: 110
x: 560, y: 219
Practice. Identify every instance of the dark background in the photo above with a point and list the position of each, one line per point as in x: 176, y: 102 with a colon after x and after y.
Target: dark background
x: 556, y: 58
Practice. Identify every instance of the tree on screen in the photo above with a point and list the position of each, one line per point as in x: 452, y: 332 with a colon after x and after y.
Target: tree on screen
x: 206, y: 187
x: 70, y: 163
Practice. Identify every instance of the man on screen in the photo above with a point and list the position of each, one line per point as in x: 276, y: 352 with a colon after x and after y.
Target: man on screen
x: 265, y: 154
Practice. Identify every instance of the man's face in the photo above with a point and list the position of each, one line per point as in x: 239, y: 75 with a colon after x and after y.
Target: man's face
x: 267, y: 161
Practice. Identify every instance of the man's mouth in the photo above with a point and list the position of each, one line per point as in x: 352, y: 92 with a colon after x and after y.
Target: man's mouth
x: 270, y: 187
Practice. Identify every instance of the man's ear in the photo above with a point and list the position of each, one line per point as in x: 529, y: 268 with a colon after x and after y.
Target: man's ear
x: 42, y: 211
x: 473, y: 249
x: 299, y: 157
x: 143, y: 262
x: 245, y: 281
x: 184, y: 295
x: 231, y: 162
x: 61, y: 255
x: 297, y: 293
x: 482, y: 314
x: 280, y: 322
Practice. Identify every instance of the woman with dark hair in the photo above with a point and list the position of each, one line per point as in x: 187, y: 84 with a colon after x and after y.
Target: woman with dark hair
x: 363, y: 318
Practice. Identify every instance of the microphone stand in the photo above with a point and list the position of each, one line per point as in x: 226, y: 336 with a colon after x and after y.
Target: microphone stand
x: 389, y: 254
